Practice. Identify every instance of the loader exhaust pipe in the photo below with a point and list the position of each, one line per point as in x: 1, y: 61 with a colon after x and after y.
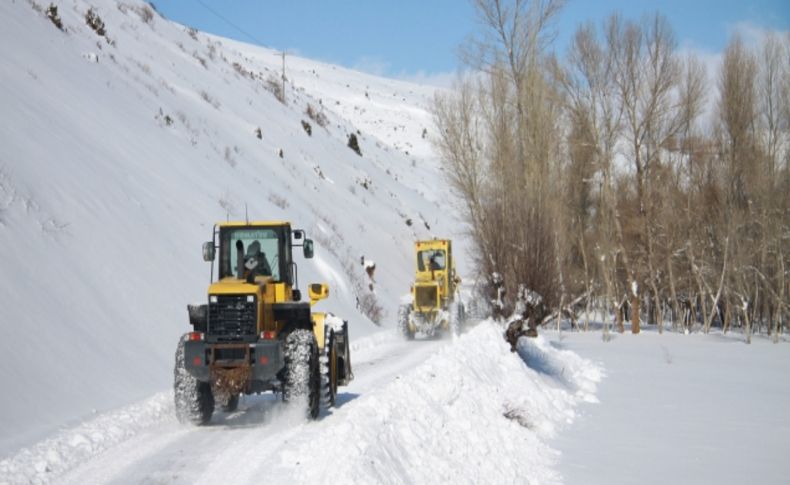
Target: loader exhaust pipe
x: 239, y: 259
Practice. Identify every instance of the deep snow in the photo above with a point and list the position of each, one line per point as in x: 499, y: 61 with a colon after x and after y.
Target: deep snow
x: 686, y: 409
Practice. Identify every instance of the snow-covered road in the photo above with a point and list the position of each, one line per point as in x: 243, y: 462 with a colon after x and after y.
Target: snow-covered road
x: 415, y: 413
x: 240, y: 446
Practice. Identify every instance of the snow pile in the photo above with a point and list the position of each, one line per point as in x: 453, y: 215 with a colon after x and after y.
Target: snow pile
x: 563, y: 366
x: 66, y: 449
x: 473, y: 413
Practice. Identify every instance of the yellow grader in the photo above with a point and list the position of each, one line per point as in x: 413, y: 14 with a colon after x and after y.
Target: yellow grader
x: 435, y: 304
x: 255, y: 334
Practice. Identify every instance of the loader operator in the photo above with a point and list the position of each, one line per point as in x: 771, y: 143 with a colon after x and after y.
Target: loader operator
x: 434, y: 263
x: 255, y: 263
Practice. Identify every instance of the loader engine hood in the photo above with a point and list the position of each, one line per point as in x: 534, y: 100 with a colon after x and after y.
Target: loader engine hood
x: 228, y: 286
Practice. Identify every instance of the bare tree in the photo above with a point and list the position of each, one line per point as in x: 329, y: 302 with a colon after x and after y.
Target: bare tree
x: 458, y: 121
x: 595, y: 120
x: 688, y: 184
x: 593, y: 179
x: 646, y: 76
x: 507, y: 181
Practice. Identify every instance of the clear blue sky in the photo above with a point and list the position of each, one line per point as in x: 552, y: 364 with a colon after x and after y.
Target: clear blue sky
x: 403, y: 38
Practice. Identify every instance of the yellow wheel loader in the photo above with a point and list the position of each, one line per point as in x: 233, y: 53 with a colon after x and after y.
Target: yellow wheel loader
x: 435, y: 304
x: 255, y: 334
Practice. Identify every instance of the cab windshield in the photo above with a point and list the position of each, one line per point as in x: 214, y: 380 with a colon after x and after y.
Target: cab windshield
x: 260, y: 251
x: 431, y: 260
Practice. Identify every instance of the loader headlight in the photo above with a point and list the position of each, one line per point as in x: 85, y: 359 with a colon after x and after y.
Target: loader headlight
x: 212, y: 299
x: 250, y: 298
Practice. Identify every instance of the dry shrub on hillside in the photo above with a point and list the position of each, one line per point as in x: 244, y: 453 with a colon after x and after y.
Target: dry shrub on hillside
x: 52, y: 15
x: 95, y: 22
x: 318, y: 116
x: 274, y: 85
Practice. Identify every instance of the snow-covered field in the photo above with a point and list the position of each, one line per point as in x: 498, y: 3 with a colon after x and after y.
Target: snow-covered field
x: 676, y: 408
x: 118, y: 153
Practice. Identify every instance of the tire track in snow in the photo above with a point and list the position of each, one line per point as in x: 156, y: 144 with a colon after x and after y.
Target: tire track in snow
x: 235, y: 447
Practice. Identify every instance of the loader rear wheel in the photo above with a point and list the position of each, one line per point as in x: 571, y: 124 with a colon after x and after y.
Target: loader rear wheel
x: 329, y: 372
x: 302, y: 371
x: 345, y: 373
x: 403, y: 322
x: 194, y: 401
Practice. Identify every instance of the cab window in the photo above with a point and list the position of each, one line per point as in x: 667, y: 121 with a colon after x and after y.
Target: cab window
x: 260, y: 249
x: 431, y: 260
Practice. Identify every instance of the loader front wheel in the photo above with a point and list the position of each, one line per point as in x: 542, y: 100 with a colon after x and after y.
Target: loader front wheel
x: 403, y: 322
x: 194, y: 402
x: 302, y: 384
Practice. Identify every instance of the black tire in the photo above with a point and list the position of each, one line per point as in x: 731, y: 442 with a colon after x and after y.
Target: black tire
x: 344, y: 364
x: 329, y: 372
x: 194, y: 402
x: 231, y: 405
x: 403, y: 322
x: 456, y: 318
x: 302, y: 371
x: 462, y: 313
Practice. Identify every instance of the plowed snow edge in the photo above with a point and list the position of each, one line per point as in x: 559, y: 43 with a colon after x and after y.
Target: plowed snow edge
x: 50, y: 458
x: 473, y: 413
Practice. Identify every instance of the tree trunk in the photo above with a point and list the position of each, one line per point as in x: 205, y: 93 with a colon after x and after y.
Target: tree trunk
x: 780, y: 297
x: 587, y: 283
x: 714, y: 309
x: 747, y: 321
x: 673, y: 294
x: 635, y: 310
x: 698, y: 278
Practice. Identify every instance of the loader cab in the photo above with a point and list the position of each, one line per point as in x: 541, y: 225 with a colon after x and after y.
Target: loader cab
x: 255, y: 251
x: 248, y: 250
x: 434, y: 277
x: 434, y: 259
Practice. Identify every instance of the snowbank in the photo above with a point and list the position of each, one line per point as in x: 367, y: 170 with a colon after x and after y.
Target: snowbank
x: 473, y: 413
x: 64, y: 450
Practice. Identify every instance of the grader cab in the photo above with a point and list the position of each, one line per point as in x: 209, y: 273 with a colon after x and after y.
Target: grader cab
x: 255, y: 334
x: 435, y: 304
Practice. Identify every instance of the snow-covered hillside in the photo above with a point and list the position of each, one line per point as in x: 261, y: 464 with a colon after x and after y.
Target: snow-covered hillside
x: 119, y: 152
